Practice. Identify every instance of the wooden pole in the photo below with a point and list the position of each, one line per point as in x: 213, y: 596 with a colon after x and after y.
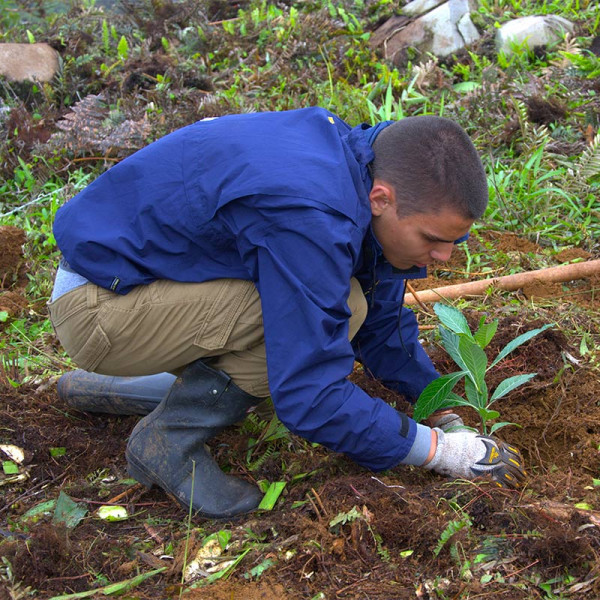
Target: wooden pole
x: 508, y: 282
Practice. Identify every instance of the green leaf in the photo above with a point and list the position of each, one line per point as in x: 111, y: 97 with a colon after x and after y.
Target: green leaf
x: 3, y: 316
x: 123, y: 48
x: 509, y: 384
x: 259, y: 569
x: 40, y: 510
x: 68, y: 512
x: 9, y: 467
x: 501, y: 424
x: 452, y: 318
x: 476, y: 398
x: 488, y: 415
x: 483, y: 336
x: 475, y: 360
x: 58, y: 452
x: 450, y: 341
x: 270, y: 498
x: 517, y: 342
x: 466, y: 86
x: 112, y: 513
x: 113, y: 588
x: 435, y: 395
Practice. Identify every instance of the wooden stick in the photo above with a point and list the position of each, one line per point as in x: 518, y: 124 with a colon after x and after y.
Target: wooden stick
x: 508, y: 282
x: 411, y: 289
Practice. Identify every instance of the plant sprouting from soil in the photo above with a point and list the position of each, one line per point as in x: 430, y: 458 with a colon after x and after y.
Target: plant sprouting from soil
x: 467, y: 350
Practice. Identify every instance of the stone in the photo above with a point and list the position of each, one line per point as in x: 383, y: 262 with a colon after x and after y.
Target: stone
x: 419, y: 7
x: 535, y: 31
x: 444, y: 30
x: 28, y: 62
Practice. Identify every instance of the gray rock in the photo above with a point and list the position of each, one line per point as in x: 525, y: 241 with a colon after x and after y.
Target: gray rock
x: 33, y: 62
x: 419, y: 7
x: 534, y: 31
x: 442, y: 31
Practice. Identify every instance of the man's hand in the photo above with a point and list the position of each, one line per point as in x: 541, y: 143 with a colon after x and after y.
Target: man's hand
x: 468, y: 454
x: 446, y: 420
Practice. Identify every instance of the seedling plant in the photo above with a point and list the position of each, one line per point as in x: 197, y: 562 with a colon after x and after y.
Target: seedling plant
x: 467, y: 350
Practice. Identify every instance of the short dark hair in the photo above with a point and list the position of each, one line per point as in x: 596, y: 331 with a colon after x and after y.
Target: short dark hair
x: 432, y: 164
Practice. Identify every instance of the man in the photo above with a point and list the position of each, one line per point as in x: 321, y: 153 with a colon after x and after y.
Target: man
x: 262, y: 254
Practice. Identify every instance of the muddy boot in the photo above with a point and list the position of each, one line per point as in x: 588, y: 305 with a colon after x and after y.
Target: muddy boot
x: 90, y: 392
x: 166, y: 445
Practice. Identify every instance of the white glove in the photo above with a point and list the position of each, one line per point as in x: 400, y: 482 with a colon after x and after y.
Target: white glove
x: 446, y: 420
x: 467, y: 454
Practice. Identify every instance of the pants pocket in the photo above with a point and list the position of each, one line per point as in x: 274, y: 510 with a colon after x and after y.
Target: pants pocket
x: 229, y: 298
x: 95, y: 349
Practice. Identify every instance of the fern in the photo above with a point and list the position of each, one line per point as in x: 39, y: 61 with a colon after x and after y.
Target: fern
x: 588, y: 165
x: 451, y: 529
x: 538, y: 137
x: 91, y: 128
x: 267, y: 453
x: 522, y: 117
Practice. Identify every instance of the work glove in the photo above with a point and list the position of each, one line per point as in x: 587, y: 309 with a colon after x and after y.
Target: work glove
x: 467, y: 454
x: 446, y: 420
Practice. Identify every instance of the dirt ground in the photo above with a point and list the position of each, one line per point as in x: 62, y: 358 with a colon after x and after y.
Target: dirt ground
x: 412, y: 534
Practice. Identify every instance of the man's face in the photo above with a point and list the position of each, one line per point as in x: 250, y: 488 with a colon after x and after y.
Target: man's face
x: 418, y: 239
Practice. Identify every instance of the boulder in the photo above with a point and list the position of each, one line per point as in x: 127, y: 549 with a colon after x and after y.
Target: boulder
x: 28, y: 62
x: 535, y: 31
x: 443, y: 29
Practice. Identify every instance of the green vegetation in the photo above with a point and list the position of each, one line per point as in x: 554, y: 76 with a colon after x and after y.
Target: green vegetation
x: 467, y: 350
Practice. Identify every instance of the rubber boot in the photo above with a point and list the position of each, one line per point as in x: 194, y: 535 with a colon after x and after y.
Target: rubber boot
x: 167, y: 448
x: 90, y: 392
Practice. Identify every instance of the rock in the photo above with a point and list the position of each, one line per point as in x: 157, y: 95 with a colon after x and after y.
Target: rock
x: 534, y: 31
x: 445, y: 29
x: 419, y: 7
x: 33, y: 62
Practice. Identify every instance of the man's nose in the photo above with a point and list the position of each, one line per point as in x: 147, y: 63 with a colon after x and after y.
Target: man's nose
x: 442, y: 251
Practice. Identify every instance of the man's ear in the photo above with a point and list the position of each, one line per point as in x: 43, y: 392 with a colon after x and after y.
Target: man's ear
x: 382, y: 197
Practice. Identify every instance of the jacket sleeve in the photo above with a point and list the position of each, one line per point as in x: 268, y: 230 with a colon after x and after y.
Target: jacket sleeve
x: 387, y: 344
x: 302, y: 269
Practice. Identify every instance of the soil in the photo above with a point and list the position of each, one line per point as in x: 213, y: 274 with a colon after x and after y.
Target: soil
x: 13, y: 271
x: 395, y: 544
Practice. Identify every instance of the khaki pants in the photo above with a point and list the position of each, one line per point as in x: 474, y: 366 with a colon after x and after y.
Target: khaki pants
x: 166, y: 325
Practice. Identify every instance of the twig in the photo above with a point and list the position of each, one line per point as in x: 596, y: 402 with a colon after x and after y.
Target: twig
x: 319, y: 516
x: 319, y: 501
x: 535, y: 562
x: 342, y: 590
x: 128, y: 491
x: 118, y: 503
x: 411, y: 289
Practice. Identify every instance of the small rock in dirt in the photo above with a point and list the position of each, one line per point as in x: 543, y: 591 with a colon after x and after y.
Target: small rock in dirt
x: 534, y: 31
x: 442, y: 31
x: 28, y: 62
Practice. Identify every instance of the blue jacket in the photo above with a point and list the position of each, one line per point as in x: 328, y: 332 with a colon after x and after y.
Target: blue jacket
x: 280, y: 199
